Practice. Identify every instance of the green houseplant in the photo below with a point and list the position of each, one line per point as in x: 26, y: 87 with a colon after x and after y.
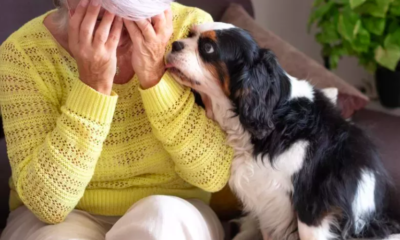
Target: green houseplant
x: 368, y: 30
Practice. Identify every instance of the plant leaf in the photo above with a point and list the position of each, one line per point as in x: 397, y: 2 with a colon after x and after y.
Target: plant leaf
x: 395, y: 8
x: 334, y: 61
x: 367, y: 60
x: 377, y: 8
x: 328, y: 33
x: 362, y: 40
x: 347, y: 24
x: 374, y: 25
x: 368, y: 63
x: 326, y: 50
x: 393, y: 26
x: 388, y: 57
x: 392, y: 39
x: 334, y: 53
x: 356, y: 3
x: 357, y: 28
x: 319, y: 12
x: 318, y: 2
x: 349, y: 48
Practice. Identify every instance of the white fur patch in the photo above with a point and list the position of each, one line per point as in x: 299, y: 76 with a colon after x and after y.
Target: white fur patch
x: 331, y: 94
x: 263, y: 189
x: 291, y: 161
x: 364, y: 201
x: 253, y: 180
x: 322, y: 232
x: 213, y: 26
x: 249, y: 228
x: 301, y: 88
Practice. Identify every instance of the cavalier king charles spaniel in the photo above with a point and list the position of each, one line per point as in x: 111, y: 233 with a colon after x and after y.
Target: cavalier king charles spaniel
x: 300, y: 169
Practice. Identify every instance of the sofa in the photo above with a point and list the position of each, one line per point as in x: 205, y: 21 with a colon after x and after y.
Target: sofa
x: 384, y: 129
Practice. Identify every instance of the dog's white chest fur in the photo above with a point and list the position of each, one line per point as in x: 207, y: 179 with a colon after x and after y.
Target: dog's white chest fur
x: 255, y: 179
x: 265, y: 190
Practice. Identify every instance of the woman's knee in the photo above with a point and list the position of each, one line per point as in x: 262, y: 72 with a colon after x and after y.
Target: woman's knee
x: 78, y: 225
x: 161, y: 205
x: 23, y: 224
x: 162, y: 217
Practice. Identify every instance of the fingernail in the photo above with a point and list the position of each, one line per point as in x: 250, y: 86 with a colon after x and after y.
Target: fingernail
x: 96, y: 2
x: 84, y: 3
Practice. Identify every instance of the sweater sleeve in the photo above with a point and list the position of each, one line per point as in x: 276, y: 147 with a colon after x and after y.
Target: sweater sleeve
x: 196, y: 144
x: 53, y: 149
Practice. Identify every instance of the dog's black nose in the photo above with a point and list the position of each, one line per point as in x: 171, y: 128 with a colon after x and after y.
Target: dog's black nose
x: 177, y: 46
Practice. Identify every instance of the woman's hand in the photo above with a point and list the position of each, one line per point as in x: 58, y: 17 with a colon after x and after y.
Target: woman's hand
x: 95, y: 53
x: 149, y: 44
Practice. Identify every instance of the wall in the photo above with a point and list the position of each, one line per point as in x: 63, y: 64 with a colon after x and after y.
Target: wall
x: 288, y: 19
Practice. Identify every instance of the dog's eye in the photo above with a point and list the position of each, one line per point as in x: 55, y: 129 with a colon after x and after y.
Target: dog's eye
x: 208, y: 48
x: 191, y: 34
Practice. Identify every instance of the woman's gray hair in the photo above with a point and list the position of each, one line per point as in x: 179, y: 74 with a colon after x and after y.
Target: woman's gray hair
x: 61, y: 16
x: 133, y: 10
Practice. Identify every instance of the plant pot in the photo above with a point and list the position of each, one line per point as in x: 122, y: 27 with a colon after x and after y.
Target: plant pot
x: 388, y: 86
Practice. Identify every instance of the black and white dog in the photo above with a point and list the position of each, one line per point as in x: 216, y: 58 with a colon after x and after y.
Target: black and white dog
x: 300, y: 169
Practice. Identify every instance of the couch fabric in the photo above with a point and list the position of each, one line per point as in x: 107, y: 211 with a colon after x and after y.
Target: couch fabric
x: 384, y: 130
x: 296, y: 63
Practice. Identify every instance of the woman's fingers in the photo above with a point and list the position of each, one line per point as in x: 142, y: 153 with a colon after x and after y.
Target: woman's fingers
x: 115, y: 33
x: 89, y: 22
x: 76, y: 21
x: 159, y: 23
x: 134, y: 31
x: 168, y: 16
x: 169, y: 25
x: 103, y: 31
x: 163, y: 25
x: 146, y: 29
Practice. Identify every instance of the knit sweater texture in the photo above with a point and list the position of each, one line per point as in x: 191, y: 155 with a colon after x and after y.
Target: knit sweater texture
x: 72, y: 147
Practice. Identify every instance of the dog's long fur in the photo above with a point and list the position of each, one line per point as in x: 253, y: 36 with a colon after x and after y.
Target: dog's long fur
x: 300, y: 169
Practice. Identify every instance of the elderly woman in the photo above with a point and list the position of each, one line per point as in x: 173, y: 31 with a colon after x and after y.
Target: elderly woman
x: 103, y: 143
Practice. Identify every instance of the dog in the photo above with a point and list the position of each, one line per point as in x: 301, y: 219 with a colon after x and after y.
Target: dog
x: 300, y: 169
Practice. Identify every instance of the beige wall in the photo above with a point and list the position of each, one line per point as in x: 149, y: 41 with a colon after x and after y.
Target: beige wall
x: 288, y: 19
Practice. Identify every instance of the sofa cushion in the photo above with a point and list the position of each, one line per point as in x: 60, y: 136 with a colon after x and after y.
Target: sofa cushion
x: 296, y: 63
x: 217, y: 8
x: 4, y: 189
x: 384, y: 130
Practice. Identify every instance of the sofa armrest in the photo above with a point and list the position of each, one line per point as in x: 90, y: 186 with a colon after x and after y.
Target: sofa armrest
x: 5, y: 174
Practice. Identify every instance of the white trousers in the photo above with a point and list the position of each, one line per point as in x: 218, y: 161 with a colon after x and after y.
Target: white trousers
x: 152, y: 218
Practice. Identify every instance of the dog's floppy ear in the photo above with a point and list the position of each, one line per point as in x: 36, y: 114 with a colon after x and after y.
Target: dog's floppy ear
x: 263, y: 86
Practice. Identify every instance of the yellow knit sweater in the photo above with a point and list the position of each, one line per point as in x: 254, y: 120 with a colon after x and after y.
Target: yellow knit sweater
x: 72, y: 147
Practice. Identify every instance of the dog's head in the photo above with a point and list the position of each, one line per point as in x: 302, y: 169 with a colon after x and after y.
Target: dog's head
x: 222, y: 61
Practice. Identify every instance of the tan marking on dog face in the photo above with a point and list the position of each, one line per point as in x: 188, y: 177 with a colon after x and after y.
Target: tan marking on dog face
x: 221, y: 79
x: 210, y: 35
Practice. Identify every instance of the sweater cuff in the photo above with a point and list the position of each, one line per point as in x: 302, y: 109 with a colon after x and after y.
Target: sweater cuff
x: 162, y: 96
x: 87, y: 102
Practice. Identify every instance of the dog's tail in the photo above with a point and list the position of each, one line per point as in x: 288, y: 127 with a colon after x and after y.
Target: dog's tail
x: 380, y: 227
x: 384, y: 224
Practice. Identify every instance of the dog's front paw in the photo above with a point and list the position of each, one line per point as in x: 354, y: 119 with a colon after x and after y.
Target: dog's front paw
x: 249, y: 229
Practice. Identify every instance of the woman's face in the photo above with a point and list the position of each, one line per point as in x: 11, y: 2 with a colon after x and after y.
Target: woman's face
x: 125, y: 39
